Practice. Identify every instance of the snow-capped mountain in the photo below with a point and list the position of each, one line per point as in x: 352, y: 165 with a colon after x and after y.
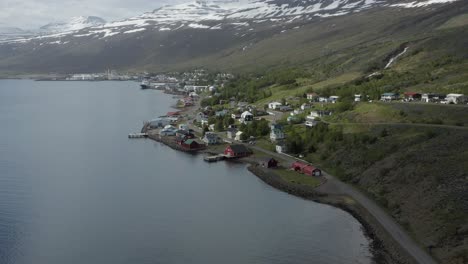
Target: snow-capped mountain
x: 217, y: 14
x: 73, y: 24
x: 188, y: 33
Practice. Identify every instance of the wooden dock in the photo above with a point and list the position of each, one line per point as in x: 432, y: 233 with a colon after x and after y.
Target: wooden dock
x: 214, y: 158
x: 137, y: 135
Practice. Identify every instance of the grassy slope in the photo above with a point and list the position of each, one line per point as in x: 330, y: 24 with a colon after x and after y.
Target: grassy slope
x: 419, y: 176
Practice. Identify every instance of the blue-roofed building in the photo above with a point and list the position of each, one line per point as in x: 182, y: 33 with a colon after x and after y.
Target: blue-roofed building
x: 386, y: 97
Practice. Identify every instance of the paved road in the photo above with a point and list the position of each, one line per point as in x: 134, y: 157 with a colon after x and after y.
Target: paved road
x: 402, y: 124
x: 335, y: 186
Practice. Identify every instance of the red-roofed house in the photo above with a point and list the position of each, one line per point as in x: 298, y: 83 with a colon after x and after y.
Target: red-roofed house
x: 411, y: 96
x: 306, y: 169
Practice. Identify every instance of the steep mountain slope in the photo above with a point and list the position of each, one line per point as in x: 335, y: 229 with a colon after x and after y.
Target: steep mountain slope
x: 236, y: 35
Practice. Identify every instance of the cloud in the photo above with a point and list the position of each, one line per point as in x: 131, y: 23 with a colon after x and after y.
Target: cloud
x: 32, y: 14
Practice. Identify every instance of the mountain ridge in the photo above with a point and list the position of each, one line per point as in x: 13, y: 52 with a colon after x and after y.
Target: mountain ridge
x: 140, y: 43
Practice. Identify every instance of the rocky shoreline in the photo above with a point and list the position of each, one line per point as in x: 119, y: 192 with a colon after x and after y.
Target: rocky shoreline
x: 384, y: 248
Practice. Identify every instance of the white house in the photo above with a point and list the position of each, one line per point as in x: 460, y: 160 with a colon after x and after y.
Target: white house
x: 333, y: 99
x: 323, y: 99
x: 456, y: 98
x: 311, y: 96
x: 211, y: 127
x: 305, y: 106
x: 194, y: 95
x: 311, y: 121
x: 281, y: 148
x: 296, y: 112
x: 183, y: 127
x: 239, y: 135
x: 246, y: 117
x: 231, y: 133
x: 319, y: 113
x: 211, y: 138
x: 168, y: 131
x: 357, y: 98
x: 274, y: 105
x: 276, y: 133
x: 204, y: 121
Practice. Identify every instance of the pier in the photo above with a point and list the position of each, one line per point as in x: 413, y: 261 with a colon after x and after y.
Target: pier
x: 214, y: 158
x: 137, y: 135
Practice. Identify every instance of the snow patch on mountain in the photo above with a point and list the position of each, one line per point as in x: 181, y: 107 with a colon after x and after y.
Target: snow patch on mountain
x: 423, y: 3
x: 217, y: 14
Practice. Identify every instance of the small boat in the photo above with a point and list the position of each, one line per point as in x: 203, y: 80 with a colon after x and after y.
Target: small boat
x: 145, y: 84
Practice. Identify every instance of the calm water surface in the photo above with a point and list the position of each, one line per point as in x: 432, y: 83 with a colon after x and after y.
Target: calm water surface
x: 75, y: 190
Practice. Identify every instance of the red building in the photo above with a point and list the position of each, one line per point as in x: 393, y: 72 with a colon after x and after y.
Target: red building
x: 411, y: 96
x: 172, y: 114
x: 190, y: 144
x: 236, y: 151
x: 306, y: 169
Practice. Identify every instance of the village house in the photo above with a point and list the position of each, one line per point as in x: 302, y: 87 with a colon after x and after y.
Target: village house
x: 320, y: 113
x: 184, y: 134
x: 456, y: 99
x: 291, y: 119
x: 190, y: 144
x: 184, y: 127
x: 211, y: 138
x: 173, y: 114
x: 159, y: 122
x: 305, y: 106
x: 235, y: 116
x: 194, y: 95
x: 204, y: 121
x: 296, y: 112
x: 231, y: 133
x: 211, y: 127
x: 237, y: 151
x: 357, y: 98
x: 242, y: 105
x: 281, y: 148
x: 412, y: 96
x: 276, y: 133
x: 285, y: 108
x: 431, y: 97
x: 311, y: 96
x: 239, y: 136
x: 274, y: 105
x: 333, y: 99
x: 323, y: 99
x: 200, y: 116
x: 221, y: 113
x: 311, y: 121
x: 247, y: 117
x: 387, y: 97
x: 306, y: 169
x: 268, y: 163
x: 168, y: 131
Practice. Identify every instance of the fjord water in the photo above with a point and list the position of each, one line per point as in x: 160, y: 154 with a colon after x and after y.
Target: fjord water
x: 74, y: 189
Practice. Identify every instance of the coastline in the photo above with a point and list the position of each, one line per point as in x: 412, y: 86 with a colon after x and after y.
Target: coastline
x: 383, y: 246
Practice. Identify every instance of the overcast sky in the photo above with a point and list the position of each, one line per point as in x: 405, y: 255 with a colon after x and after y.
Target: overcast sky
x: 31, y: 14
